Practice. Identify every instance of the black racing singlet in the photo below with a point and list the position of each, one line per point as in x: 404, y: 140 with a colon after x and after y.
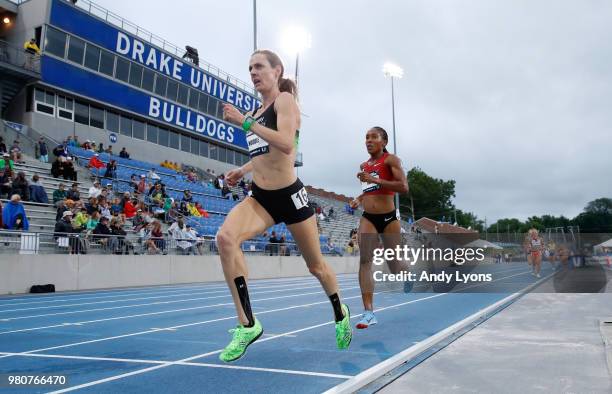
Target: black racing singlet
x: 259, y: 146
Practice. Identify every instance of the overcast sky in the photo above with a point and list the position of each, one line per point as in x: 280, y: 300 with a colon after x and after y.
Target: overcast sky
x: 509, y: 98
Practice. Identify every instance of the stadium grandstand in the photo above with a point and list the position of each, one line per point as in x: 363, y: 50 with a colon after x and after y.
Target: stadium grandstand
x: 95, y: 82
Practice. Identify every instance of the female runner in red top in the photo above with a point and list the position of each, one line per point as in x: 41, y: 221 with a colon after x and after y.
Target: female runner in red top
x: 381, y: 177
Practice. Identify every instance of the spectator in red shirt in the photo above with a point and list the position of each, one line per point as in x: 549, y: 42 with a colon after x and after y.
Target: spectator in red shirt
x: 129, y: 210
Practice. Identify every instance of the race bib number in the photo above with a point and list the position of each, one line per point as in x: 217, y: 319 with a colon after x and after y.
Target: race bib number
x: 300, y: 199
x: 370, y: 187
x: 257, y: 145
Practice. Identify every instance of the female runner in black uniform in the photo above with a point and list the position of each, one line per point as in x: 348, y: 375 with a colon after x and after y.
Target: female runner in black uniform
x: 278, y: 196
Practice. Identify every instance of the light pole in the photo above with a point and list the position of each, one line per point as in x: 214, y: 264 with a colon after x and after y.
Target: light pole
x: 393, y: 71
x: 295, y: 40
x: 254, y: 25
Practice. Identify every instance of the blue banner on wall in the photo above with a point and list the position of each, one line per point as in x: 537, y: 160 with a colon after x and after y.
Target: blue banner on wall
x: 87, y: 84
x: 79, y: 23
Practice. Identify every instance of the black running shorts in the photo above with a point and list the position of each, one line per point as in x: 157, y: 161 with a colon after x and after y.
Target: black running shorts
x: 289, y: 205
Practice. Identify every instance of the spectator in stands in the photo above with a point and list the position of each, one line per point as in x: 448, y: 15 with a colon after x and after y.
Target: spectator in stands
x: 282, y: 245
x: 157, y: 237
x: 330, y: 213
x: 93, y: 221
x: 61, y: 151
x: 20, y: 186
x: 108, y: 150
x: 273, y: 244
x: 64, y: 230
x: 122, y: 246
x: 14, y: 216
x: 111, y: 169
x: 124, y: 154
x: 116, y: 208
x: 95, y: 190
x: 219, y: 182
x: 81, y: 219
x: 2, y: 146
x: 105, y: 211
x: 103, y: 233
x: 69, y: 170
x: 94, y: 148
x: 100, y: 148
x: 5, y: 183
x: 96, y: 163
x: 75, y: 142
x: 15, y: 152
x: 196, y: 243
x: 139, y: 220
x: 157, y: 194
x: 74, y: 194
x: 225, y: 191
x: 92, y: 206
x: 62, y: 206
x: 153, y: 175
x: 129, y: 208
x: 86, y: 145
x: 142, y: 186
x: 37, y: 191
x: 331, y: 248
x: 203, y: 213
x: 7, y: 164
x: 41, y: 151
x: 57, y: 168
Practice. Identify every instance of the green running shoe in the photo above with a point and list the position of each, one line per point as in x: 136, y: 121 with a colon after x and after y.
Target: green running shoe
x: 344, y: 333
x: 243, y: 337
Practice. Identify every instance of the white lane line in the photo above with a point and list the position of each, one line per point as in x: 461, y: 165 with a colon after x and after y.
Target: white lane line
x: 178, y: 326
x: 168, y: 363
x: 224, y: 295
x: 112, y: 378
x: 120, y: 293
x: 188, y: 325
x: 189, y: 359
x: 164, y: 312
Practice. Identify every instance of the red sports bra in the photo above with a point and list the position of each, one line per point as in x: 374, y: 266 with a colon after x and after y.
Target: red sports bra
x: 378, y: 169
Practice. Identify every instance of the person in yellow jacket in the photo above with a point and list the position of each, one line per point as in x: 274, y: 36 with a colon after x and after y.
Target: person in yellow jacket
x: 31, y: 50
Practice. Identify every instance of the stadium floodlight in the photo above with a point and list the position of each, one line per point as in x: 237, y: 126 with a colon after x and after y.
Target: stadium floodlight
x: 392, y: 70
x: 6, y: 20
x: 295, y: 40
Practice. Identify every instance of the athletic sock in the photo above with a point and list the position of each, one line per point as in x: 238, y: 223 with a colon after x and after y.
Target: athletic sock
x: 243, y: 294
x: 335, y: 300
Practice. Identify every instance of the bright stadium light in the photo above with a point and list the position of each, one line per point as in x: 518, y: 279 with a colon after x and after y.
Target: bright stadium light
x: 6, y: 20
x: 392, y: 70
x: 295, y: 40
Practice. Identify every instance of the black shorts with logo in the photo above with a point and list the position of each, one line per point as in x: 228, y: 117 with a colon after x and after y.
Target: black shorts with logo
x: 289, y: 204
x: 380, y: 220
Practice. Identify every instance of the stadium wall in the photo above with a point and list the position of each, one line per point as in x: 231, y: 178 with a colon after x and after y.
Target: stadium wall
x: 85, y: 272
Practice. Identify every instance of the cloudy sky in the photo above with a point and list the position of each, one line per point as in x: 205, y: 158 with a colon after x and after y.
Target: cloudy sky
x: 509, y: 98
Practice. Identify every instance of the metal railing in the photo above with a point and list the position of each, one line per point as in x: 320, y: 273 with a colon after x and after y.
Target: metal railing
x: 17, y: 242
x: 116, y: 20
x: 26, y: 135
x: 17, y: 56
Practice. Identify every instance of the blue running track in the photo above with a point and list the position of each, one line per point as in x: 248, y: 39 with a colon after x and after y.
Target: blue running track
x: 167, y: 338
